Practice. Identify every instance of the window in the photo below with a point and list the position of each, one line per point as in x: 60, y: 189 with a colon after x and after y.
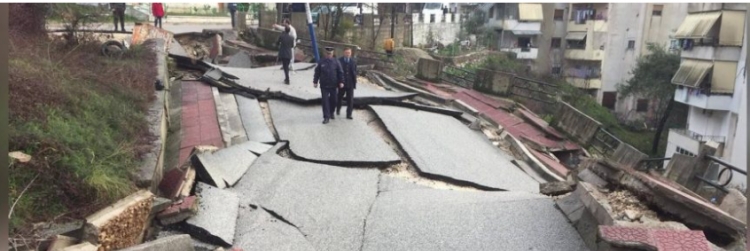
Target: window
x: 556, y: 42
x: 559, y: 14
x: 492, y: 12
x: 631, y: 44
x: 642, y: 105
x: 524, y: 42
x: 556, y: 70
x: 657, y: 10
x: 609, y: 99
x: 680, y: 150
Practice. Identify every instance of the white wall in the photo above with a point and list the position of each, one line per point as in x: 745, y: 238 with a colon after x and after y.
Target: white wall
x: 710, y: 123
x: 445, y: 32
x: 738, y: 144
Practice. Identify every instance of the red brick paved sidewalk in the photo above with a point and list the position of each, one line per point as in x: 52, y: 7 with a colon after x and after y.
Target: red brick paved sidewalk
x: 200, y: 125
x: 661, y: 239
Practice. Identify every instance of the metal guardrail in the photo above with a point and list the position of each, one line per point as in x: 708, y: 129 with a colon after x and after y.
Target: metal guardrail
x: 458, y: 77
x: 725, y: 167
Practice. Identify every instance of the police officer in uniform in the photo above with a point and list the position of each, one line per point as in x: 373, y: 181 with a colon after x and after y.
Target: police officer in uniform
x: 331, y: 77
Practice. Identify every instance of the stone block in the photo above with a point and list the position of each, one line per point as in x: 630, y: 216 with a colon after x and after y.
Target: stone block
x: 735, y: 204
x: 428, y: 69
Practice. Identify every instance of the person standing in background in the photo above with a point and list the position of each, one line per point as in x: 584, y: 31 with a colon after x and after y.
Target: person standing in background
x: 158, y: 10
x: 388, y: 46
x: 285, y: 43
x: 232, y: 11
x: 284, y: 25
x: 118, y: 11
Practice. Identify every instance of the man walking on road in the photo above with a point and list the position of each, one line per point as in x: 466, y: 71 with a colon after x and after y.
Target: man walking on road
x: 118, y: 12
x: 292, y: 32
x: 350, y: 83
x: 285, y: 44
x: 232, y: 10
x: 330, y: 75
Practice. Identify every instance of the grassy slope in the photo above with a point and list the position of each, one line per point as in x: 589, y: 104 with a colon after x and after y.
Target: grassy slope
x: 82, y: 118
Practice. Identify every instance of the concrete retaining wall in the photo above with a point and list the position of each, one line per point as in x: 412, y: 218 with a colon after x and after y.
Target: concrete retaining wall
x: 493, y: 82
x: 151, y: 170
x: 429, y: 69
x: 443, y: 29
x: 576, y: 123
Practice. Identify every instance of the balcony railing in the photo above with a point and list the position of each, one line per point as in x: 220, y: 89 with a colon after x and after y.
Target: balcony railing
x: 583, y: 73
x: 699, y: 137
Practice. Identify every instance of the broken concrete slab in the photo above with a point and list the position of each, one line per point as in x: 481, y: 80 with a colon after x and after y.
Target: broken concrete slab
x: 226, y: 165
x: 735, y: 203
x: 242, y: 59
x: 86, y: 246
x: 208, y: 173
x: 197, y: 244
x: 430, y: 219
x: 179, y: 211
x: 254, y: 121
x: 216, y: 219
x: 259, y: 230
x: 173, y: 243
x: 230, y: 122
x: 174, y: 180
x: 556, y: 188
x: 305, y: 195
x: 257, y: 147
x: 342, y: 141
x: 461, y: 155
x: 300, y: 89
x: 160, y: 204
x: 60, y: 242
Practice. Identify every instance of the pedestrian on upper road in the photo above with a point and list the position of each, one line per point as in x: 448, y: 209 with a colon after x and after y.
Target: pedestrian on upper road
x: 118, y: 12
x: 158, y: 10
x: 349, y: 66
x: 388, y: 46
x: 285, y: 44
x: 293, y: 33
x: 331, y: 77
x: 232, y: 10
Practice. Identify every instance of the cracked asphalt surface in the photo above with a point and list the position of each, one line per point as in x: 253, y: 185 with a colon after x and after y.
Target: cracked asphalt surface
x: 317, y: 198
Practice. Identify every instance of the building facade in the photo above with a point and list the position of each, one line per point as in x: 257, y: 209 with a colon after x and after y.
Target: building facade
x: 518, y: 28
x: 712, y: 81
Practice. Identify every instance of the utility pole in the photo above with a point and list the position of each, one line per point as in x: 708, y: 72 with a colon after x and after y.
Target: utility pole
x: 312, y: 33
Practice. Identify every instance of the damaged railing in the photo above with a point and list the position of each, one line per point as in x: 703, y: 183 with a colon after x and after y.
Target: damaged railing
x: 725, y: 167
x: 458, y: 77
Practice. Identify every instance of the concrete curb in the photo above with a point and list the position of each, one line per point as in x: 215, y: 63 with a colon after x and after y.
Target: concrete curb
x: 150, y: 173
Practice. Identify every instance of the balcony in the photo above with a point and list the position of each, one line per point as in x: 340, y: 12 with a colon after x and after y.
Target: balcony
x: 523, y: 53
x: 582, y: 83
x: 698, y: 137
x: 711, y: 53
x: 695, y: 97
x: 595, y: 25
x: 496, y: 24
x: 588, y: 55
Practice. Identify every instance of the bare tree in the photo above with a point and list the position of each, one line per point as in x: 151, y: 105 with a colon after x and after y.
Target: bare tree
x: 375, y: 33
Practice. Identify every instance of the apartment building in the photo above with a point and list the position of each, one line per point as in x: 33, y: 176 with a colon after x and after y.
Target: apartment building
x: 604, y: 42
x: 712, y: 81
x: 518, y: 27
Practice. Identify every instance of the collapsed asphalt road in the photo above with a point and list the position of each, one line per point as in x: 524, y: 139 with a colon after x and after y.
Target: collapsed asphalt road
x: 328, y: 187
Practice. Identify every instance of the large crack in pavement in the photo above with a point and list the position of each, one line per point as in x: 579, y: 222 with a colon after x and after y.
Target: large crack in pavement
x: 369, y: 211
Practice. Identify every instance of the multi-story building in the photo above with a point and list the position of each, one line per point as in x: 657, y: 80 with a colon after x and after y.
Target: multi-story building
x: 518, y: 27
x: 712, y: 81
x: 593, y: 46
x: 604, y: 41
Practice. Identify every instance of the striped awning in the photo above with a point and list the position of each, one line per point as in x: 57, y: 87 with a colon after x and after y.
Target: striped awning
x: 696, y: 26
x: 530, y: 12
x: 692, y: 72
x: 576, y: 35
x: 527, y: 28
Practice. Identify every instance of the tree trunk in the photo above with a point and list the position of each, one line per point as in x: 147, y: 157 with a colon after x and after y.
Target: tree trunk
x: 662, y: 124
x: 336, y: 22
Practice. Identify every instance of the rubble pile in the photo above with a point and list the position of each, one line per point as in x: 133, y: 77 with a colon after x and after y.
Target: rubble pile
x: 626, y: 206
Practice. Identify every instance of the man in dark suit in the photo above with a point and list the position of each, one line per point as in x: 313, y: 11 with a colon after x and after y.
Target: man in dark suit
x: 285, y: 43
x: 330, y: 75
x: 349, y: 66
